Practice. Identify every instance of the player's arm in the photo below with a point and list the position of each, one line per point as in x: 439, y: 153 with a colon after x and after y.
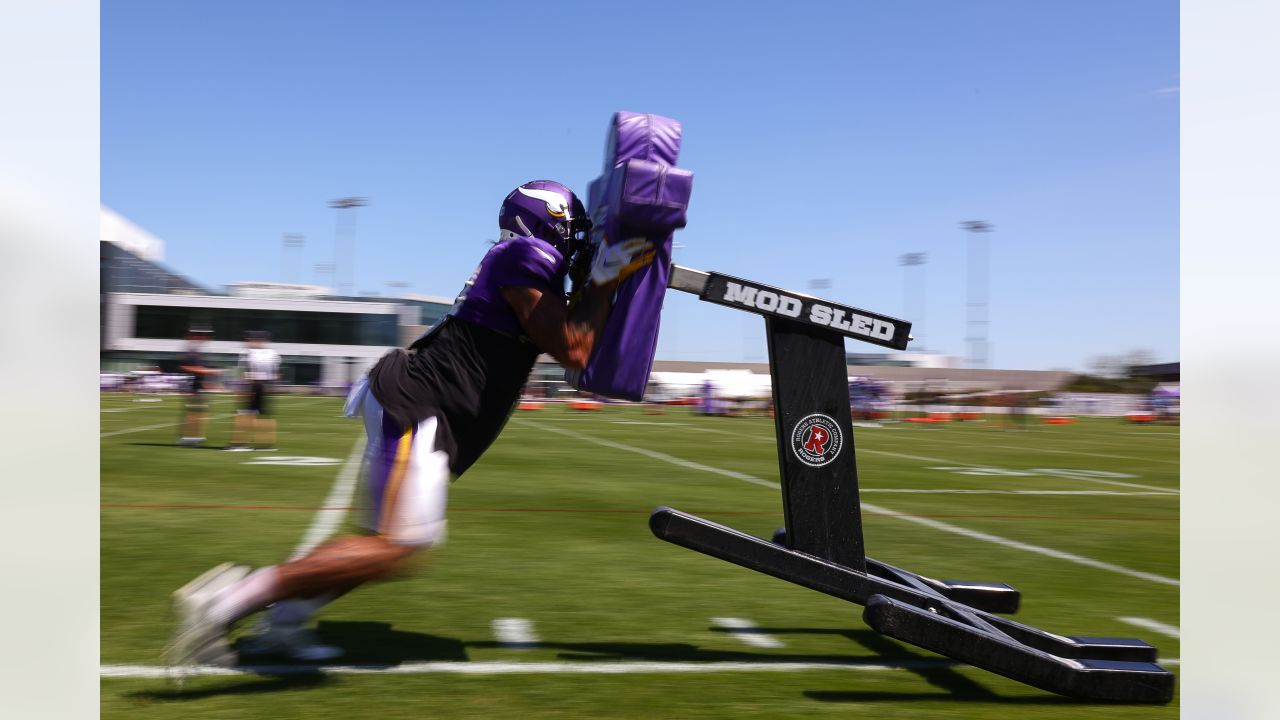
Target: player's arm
x: 198, y: 370
x: 568, y: 336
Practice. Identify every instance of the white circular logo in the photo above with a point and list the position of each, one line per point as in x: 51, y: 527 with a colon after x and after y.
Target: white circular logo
x: 816, y: 440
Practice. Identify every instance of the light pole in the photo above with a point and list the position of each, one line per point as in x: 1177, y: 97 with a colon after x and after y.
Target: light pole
x: 321, y: 270
x: 909, y: 310
x: 976, y: 335
x: 289, y: 240
x: 349, y: 233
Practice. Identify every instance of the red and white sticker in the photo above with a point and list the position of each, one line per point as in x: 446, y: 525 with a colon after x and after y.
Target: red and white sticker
x: 816, y: 440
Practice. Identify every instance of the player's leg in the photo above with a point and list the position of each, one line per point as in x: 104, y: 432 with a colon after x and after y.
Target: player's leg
x: 264, y: 424
x: 241, y: 430
x: 193, y: 420
x: 408, y: 480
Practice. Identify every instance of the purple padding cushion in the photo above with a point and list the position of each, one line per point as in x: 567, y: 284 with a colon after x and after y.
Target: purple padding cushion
x: 651, y: 196
x: 642, y: 136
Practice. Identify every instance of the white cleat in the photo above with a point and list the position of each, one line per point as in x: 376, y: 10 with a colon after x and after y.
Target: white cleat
x: 291, y: 641
x: 199, y: 639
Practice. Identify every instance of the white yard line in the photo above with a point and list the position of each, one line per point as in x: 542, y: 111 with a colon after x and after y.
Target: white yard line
x: 157, y: 426
x: 747, y: 632
x: 1100, y: 481
x: 326, y: 520
x: 923, y: 458
x: 1085, y: 454
x: 516, y: 633
x: 603, y: 667
x: 1153, y: 625
x: 993, y: 491
x: 663, y: 457
x: 949, y: 441
x: 123, y: 409
x: 731, y: 434
x: 1039, y: 550
x: 982, y: 445
x: 936, y: 525
x: 1118, y: 483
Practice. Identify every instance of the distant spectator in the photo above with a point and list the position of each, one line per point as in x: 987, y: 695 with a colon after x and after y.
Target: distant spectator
x: 196, y: 408
x: 260, y: 367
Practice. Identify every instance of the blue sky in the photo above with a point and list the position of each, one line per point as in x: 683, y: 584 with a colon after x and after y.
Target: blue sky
x: 826, y: 138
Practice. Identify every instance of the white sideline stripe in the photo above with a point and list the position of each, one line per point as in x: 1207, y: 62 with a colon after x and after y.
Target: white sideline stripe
x: 169, y: 424
x: 1018, y: 448
x: 653, y: 454
x: 747, y: 632
x: 1119, y: 483
x: 511, y: 668
x: 157, y: 426
x: 936, y: 525
x: 923, y: 458
x: 514, y: 633
x: 986, y: 491
x: 1049, y: 552
x: 1086, y: 454
x: 335, y: 505
x: 1100, y: 481
x: 1153, y: 625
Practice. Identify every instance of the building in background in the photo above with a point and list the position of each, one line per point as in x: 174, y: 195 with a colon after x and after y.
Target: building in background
x: 324, y: 340
x: 902, y: 359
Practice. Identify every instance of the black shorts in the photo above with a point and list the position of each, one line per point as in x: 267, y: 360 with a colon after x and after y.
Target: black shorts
x: 258, y: 398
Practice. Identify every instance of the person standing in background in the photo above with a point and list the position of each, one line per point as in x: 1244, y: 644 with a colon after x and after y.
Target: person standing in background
x: 260, y: 367
x: 195, y: 411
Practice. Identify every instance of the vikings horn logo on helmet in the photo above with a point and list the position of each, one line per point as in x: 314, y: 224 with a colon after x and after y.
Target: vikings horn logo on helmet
x: 557, y: 204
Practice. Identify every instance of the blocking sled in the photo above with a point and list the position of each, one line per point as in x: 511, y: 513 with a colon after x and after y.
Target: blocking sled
x: 821, y: 546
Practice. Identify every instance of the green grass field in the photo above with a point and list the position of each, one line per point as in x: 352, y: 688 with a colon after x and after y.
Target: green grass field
x: 551, y: 526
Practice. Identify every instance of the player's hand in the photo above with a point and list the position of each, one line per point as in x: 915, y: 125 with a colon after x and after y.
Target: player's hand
x: 613, y: 263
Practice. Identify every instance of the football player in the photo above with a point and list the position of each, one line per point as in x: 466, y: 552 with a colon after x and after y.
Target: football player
x: 429, y: 413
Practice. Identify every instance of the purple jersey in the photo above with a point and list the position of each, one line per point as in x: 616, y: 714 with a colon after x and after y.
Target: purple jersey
x: 515, y: 262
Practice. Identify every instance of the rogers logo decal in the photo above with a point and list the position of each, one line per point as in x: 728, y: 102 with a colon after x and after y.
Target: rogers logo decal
x: 816, y: 440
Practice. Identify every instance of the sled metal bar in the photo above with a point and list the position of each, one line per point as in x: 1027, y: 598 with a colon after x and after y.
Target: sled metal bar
x: 991, y: 597
x: 1098, y: 671
x: 763, y: 556
x: 1088, y: 678
x: 688, y: 280
x: 773, y: 302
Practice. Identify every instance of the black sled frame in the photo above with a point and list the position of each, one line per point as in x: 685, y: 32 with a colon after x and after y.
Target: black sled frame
x: 821, y: 546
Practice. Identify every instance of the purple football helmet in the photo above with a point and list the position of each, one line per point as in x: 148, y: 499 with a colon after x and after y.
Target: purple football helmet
x: 548, y: 211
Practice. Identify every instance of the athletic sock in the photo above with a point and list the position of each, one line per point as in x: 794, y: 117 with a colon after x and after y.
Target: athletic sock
x: 296, y: 612
x: 245, y: 597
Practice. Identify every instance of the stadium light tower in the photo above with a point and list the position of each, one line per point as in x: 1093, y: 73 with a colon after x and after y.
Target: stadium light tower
x: 289, y: 240
x: 978, y: 325
x: 346, y: 231
x: 322, y: 270
x: 912, y: 311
